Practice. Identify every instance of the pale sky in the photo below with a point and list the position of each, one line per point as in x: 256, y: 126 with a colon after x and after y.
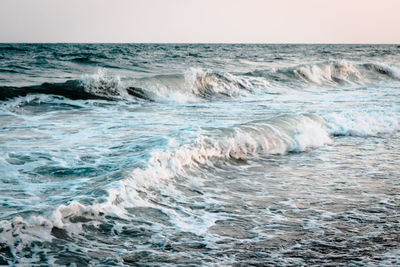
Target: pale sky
x: 205, y: 21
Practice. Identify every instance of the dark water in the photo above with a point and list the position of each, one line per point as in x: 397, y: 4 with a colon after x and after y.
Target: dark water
x: 199, y: 154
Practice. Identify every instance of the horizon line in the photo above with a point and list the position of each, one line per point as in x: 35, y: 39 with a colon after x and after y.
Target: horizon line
x: 234, y: 43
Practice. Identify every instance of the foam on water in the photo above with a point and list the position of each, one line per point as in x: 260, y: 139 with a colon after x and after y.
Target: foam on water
x: 199, y: 154
x: 197, y: 84
x: 278, y: 135
x: 103, y: 84
x: 362, y: 123
x: 331, y: 74
x: 274, y: 136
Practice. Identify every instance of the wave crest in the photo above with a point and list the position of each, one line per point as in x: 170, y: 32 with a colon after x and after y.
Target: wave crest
x: 279, y: 135
x: 103, y: 85
x: 330, y: 74
x: 197, y: 85
x: 362, y: 123
x: 96, y: 86
x: 208, y: 84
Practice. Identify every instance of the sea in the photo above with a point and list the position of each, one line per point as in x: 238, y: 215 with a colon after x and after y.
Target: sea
x: 199, y: 155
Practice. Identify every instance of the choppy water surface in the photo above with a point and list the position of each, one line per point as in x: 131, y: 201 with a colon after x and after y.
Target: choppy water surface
x: 149, y: 154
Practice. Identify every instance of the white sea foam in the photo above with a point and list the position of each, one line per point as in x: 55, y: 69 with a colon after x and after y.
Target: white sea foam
x: 330, y: 74
x: 206, y: 83
x: 275, y: 136
x: 362, y: 123
x: 103, y: 84
x: 20, y: 232
x: 278, y: 135
x: 391, y: 71
x: 197, y: 84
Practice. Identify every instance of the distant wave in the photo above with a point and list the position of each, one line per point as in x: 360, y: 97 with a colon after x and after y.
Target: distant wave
x: 383, y: 70
x: 198, y: 84
x: 194, y: 85
x: 333, y: 73
x: 98, y: 86
x: 362, y: 123
x: 72, y: 89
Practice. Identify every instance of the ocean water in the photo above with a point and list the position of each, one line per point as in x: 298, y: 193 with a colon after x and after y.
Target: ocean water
x: 199, y: 154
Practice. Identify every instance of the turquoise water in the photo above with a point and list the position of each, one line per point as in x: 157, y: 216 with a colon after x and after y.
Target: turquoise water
x: 202, y: 154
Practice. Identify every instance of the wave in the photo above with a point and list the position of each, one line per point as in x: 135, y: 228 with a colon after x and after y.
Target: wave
x: 245, y: 142
x: 195, y: 85
x: 97, y: 86
x: 198, y: 84
x: 362, y: 123
x: 384, y: 70
x: 279, y: 135
x: 332, y: 73
x: 276, y: 136
x: 209, y: 84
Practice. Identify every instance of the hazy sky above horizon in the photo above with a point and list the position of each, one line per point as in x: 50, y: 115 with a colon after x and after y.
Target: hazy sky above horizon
x: 214, y: 21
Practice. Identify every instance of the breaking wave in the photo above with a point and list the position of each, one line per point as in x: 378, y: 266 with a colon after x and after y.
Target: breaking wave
x: 98, y: 86
x: 198, y: 84
x: 195, y: 85
x: 279, y: 135
x: 362, y: 123
x: 330, y: 74
x: 333, y: 73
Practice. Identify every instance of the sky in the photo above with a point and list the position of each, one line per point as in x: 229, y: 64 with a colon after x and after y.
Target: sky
x: 200, y: 21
